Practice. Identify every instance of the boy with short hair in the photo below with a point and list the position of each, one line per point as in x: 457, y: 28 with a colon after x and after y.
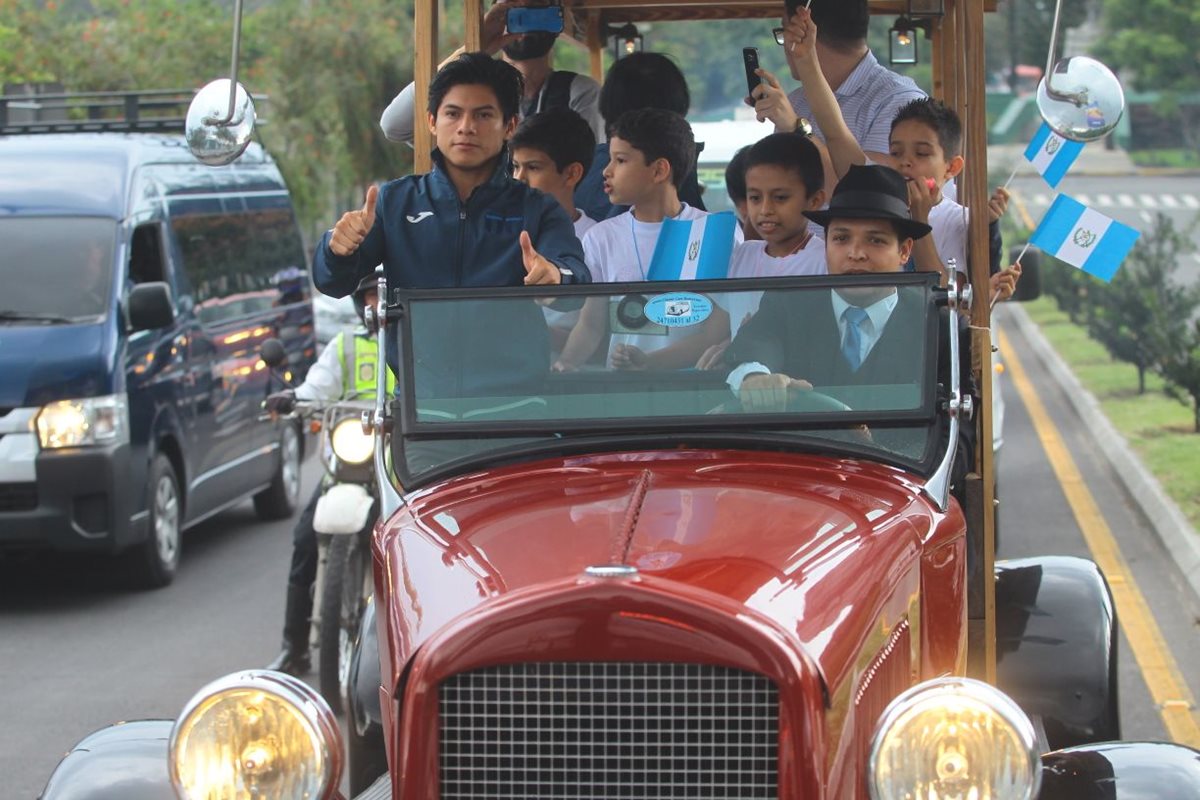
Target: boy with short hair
x: 926, y: 143
x: 783, y: 178
x: 552, y: 151
x: 651, y: 151
x: 735, y: 187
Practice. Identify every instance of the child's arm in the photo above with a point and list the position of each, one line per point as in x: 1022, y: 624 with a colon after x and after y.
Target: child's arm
x: 800, y: 37
x: 586, y: 336
x: 925, y: 254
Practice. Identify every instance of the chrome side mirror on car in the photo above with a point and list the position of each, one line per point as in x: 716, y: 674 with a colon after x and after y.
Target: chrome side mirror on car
x: 220, y: 119
x: 1079, y: 97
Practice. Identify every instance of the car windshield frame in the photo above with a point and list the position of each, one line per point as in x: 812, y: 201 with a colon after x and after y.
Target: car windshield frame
x: 740, y: 430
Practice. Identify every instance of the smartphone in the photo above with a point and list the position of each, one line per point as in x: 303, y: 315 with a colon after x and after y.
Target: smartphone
x: 750, y: 59
x: 528, y: 19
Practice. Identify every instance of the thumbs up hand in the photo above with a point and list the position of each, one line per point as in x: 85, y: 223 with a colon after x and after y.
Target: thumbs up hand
x: 538, y: 271
x: 354, y: 226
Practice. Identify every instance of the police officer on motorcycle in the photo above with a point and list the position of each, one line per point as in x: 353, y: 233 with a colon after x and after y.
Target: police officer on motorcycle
x: 345, y: 371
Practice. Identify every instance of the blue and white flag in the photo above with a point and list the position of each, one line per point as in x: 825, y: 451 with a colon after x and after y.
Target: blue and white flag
x: 693, y: 249
x: 1084, y: 238
x: 1051, y: 154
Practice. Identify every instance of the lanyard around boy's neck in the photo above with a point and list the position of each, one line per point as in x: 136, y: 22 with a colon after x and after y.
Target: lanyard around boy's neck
x: 637, y: 251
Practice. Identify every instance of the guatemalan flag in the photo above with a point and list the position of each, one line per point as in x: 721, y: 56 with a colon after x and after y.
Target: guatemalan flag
x: 1051, y: 154
x: 693, y: 249
x: 1084, y: 238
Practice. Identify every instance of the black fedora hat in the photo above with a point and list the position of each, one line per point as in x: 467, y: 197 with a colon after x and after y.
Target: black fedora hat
x: 871, y: 192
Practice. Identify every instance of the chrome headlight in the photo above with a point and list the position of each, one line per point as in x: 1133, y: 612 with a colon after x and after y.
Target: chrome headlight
x: 349, y: 442
x: 256, y: 735
x: 954, y: 739
x: 77, y: 423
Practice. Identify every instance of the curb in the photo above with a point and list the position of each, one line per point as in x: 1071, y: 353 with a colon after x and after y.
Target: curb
x: 1180, y: 539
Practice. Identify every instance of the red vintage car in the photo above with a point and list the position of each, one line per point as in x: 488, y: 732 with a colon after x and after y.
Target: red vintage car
x: 628, y: 584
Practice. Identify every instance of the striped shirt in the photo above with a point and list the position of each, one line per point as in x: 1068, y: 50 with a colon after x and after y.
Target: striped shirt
x: 869, y: 99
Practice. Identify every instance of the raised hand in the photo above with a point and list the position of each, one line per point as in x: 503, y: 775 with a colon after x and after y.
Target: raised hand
x: 538, y: 271
x: 354, y: 226
x: 800, y: 35
x: 1004, y: 282
x: 997, y: 204
x: 771, y: 102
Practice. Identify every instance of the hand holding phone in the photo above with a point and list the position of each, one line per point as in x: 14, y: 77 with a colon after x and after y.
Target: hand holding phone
x: 528, y: 19
x: 750, y: 60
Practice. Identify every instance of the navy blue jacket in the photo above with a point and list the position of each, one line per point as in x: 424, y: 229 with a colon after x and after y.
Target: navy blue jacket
x: 427, y: 238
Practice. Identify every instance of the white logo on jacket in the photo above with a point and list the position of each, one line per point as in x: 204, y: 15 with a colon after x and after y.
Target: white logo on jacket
x: 414, y: 218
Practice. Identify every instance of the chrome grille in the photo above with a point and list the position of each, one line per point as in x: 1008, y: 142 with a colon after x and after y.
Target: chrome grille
x: 627, y: 730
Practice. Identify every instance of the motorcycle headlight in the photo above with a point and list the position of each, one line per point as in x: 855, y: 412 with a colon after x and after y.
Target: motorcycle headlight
x: 78, y: 423
x: 954, y: 739
x: 349, y: 442
x: 256, y: 735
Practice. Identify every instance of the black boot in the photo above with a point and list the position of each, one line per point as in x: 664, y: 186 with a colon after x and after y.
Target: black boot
x: 294, y: 660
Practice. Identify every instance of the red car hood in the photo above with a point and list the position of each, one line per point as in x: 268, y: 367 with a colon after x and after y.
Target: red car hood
x: 813, y: 543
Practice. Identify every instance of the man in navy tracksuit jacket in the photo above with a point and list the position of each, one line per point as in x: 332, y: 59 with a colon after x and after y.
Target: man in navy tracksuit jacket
x: 466, y: 223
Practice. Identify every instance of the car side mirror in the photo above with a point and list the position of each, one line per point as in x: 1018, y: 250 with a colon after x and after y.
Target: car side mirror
x: 1030, y: 286
x: 150, y: 307
x: 273, y: 353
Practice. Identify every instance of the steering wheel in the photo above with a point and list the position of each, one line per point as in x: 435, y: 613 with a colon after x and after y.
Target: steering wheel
x: 809, y: 401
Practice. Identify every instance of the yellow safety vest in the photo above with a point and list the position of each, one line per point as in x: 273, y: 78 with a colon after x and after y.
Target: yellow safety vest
x: 359, y: 358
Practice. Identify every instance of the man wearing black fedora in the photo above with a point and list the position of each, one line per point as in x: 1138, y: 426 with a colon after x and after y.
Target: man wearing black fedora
x: 800, y: 341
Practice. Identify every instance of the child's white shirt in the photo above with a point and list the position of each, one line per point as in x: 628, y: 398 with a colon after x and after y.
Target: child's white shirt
x: 949, y: 222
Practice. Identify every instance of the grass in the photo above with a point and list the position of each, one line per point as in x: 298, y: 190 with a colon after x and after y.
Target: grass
x: 1159, y: 428
x: 1167, y: 157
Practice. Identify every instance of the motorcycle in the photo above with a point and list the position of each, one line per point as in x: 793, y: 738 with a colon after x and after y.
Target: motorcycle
x: 345, y: 513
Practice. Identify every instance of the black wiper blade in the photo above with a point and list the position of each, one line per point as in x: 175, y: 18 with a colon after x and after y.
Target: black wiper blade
x: 24, y: 316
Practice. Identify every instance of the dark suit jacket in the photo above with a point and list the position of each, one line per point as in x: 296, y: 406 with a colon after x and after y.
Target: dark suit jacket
x: 797, y: 334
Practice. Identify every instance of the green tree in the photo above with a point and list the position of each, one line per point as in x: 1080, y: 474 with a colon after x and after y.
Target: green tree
x: 1126, y: 313
x: 1153, y: 44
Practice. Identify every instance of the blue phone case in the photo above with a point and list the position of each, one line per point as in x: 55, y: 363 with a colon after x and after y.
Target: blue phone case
x: 527, y: 19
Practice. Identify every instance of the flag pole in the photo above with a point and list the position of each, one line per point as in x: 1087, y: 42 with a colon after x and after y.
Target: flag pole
x: 996, y: 294
x: 1012, y: 175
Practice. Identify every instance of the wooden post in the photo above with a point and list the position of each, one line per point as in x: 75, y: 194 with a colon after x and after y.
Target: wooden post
x: 595, y: 43
x: 425, y: 43
x: 472, y: 25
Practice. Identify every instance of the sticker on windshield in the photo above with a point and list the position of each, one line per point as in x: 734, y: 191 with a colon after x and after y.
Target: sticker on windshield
x: 678, y: 309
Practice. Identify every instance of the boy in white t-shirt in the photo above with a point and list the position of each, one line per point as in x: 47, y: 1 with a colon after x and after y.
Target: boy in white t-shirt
x: 926, y: 144
x: 552, y: 151
x: 651, y: 151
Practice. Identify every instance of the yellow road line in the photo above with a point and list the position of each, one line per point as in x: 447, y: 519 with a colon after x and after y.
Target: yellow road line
x: 1167, y: 686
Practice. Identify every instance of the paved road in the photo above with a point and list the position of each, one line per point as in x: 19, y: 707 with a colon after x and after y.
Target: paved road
x: 78, y: 652
x: 1132, y: 199
x: 1036, y: 520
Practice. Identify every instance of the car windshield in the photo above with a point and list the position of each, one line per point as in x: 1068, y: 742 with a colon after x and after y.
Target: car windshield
x: 56, y: 269
x: 479, y: 383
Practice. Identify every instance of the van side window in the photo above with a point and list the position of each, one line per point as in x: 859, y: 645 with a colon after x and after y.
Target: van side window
x: 145, y: 254
x: 237, y: 260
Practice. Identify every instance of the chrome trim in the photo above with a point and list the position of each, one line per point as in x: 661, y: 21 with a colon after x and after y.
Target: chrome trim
x: 937, y: 488
x: 265, y: 450
x: 611, y: 571
x: 391, y: 496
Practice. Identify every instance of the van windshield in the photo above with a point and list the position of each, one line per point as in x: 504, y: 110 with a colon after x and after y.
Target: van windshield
x: 56, y: 269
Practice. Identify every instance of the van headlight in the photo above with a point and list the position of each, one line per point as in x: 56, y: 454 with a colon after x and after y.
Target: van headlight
x: 954, y: 739
x: 78, y: 423
x: 256, y: 735
x: 349, y: 442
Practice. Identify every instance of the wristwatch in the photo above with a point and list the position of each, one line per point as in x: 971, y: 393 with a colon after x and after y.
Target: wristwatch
x: 803, y: 126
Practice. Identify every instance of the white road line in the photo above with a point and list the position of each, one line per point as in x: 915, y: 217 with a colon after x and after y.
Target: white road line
x: 1125, y: 200
x: 1190, y: 200
x: 1169, y: 201
x: 1148, y: 200
x: 1147, y: 218
x: 1104, y: 200
x: 1041, y: 200
x: 1083, y: 198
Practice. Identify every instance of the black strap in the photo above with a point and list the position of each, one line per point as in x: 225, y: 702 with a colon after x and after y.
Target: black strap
x: 557, y: 91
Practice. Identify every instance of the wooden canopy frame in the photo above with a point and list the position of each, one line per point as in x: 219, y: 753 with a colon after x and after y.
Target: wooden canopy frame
x: 958, y: 80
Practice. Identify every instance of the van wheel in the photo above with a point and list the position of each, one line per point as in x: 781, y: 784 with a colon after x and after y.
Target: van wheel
x: 155, y: 561
x: 279, y: 500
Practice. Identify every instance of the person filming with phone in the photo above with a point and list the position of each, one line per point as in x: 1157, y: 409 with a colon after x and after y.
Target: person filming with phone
x: 524, y: 32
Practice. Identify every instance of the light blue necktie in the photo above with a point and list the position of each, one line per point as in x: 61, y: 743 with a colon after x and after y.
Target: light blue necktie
x: 852, y: 343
